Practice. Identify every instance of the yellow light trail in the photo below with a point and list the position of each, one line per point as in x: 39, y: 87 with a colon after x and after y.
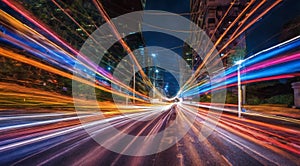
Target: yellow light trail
x: 192, y: 79
x: 29, y: 33
x: 209, y: 54
x: 250, y: 24
x: 21, y: 58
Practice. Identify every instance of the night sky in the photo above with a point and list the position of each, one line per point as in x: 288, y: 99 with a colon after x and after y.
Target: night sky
x: 266, y: 32
x: 167, y: 41
x: 162, y: 40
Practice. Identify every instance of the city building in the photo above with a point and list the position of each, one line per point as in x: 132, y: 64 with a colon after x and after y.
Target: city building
x: 214, y: 17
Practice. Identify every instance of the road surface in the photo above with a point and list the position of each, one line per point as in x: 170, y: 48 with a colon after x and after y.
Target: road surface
x: 59, y: 138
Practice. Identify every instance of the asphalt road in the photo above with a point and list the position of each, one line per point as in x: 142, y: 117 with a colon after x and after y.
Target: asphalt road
x: 54, y: 138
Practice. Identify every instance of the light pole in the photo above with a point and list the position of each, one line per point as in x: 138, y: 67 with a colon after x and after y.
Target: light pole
x: 239, y: 87
x: 154, y: 82
x: 155, y: 72
x: 253, y: 56
x: 133, y: 94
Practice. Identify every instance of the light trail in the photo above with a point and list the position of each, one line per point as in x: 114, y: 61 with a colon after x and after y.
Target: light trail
x: 73, y: 19
x: 266, y: 65
x: 66, y: 13
x: 46, y: 128
x: 88, y: 34
x: 223, y: 17
x: 13, y: 127
x: 113, y: 28
x: 247, y: 129
x: 210, y: 55
x: 21, y: 58
x: 118, y: 36
x: 241, y: 127
x: 249, y: 25
x: 189, y: 84
x: 99, y: 71
x: 65, y: 61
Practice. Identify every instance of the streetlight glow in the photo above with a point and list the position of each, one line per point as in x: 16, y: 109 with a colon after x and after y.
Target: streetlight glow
x: 239, y: 62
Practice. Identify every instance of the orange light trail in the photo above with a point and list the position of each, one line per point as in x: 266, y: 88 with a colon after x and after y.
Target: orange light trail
x: 124, y: 45
x: 257, y: 134
x: 209, y: 54
x: 249, y: 25
x: 30, y: 32
x: 21, y: 58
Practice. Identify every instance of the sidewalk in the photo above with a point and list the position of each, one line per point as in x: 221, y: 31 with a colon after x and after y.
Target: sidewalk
x: 273, y: 109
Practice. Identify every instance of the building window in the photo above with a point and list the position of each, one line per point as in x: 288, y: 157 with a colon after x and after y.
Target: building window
x: 211, y: 11
x: 211, y: 20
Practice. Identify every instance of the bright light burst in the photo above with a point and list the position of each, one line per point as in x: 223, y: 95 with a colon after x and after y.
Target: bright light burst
x: 40, y: 126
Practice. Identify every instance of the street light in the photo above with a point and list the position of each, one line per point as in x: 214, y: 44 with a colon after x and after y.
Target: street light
x: 251, y: 57
x: 239, y: 87
x: 133, y: 70
x: 154, y: 83
x: 155, y: 73
x: 133, y: 93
